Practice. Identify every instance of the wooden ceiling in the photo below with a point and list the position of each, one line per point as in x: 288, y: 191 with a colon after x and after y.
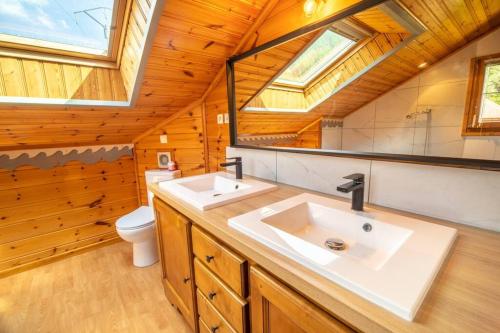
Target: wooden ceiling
x: 450, y: 25
x: 193, y: 40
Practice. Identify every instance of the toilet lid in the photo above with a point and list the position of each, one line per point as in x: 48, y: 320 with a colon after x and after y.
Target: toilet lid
x: 139, y: 218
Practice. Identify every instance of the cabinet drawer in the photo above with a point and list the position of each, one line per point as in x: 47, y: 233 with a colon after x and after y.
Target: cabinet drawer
x: 229, y: 266
x: 211, y: 317
x: 204, y: 327
x: 226, y: 301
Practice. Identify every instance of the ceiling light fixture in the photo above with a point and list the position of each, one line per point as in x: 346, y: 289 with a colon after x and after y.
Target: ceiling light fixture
x: 310, y: 7
x: 422, y: 65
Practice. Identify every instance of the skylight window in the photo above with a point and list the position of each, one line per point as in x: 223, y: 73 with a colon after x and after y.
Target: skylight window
x: 88, y: 28
x: 319, y: 55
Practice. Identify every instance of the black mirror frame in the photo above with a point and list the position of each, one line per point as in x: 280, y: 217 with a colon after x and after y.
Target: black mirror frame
x: 417, y: 159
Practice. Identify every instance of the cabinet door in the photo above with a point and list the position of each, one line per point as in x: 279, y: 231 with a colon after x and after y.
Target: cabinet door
x: 174, y: 242
x: 276, y: 308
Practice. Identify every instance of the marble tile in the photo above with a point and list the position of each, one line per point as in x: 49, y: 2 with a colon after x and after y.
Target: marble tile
x: 480, y: 147
x: 364, y: 117
x: 489, y: 44
x: 447, y: 94
x: 411, y: 83
x: 452, y: 69
x: 331, y: 138
x: 419, y: 141
x: 445, y: 141
x: 391, y: 109
x: 393, y: 140
x: 459, y: 195
x: 440, y: 116
x: 257, y: 163
x: 360, y: 139
x: 320, y: 173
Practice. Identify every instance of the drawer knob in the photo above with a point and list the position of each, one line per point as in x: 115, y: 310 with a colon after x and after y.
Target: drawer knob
x: 209, y: 258
x: 211, y: 295
x: 186, y: 279
x: 214, y: 329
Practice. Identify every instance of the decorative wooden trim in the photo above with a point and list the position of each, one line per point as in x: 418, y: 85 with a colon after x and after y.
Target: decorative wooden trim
x: 267, y: 139
x: 471, y: 125
x: 49, y: 158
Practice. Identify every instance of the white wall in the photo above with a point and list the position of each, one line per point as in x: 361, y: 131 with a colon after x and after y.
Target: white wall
x: 381, y: 126
x: 459, y: 195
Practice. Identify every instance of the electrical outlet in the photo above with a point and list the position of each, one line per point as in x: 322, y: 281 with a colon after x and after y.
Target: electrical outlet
x: 226, y: 118
x: 163, y: 138
x: 220, y: 119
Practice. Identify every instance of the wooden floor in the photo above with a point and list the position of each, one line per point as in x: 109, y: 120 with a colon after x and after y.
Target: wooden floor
x: 98, y: 291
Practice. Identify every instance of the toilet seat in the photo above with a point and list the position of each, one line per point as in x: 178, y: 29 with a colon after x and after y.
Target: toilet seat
x: 140, y: 218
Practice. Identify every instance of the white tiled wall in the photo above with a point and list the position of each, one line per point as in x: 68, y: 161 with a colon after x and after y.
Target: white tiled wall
x: 460, y: 195
x: 382, y: 126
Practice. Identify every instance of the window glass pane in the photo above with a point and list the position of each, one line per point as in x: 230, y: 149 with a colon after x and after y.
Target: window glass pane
x: 74, y: 25
x: 490, y: 106
x: 492, y: 78
x: 321, y: 53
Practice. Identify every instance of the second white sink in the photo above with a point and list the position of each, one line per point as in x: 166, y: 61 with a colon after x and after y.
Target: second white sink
x: 389, y: 259
x: 214, y: 189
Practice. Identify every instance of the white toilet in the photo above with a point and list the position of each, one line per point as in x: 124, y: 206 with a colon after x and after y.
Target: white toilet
x: 138, y: 227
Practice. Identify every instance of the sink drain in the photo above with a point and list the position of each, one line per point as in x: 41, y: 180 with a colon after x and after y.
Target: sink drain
x: 336, y: 244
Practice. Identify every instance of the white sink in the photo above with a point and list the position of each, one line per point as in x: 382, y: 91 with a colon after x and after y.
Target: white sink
x: 214, y: 189
x: 392, y: 265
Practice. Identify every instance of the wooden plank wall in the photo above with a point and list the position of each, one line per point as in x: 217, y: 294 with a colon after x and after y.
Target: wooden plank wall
x: 43, y: 79
x: 133, y: 44
x: 286, y: 16
x: 185, y: 143
x: 49, y: 213
x: 309, y: 138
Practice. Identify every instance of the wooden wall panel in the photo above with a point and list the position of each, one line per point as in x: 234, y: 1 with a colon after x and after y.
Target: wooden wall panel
x: 192, y: 42
x: 133, y: 44
x: 42, y: 79
x: 185, y: 143
x: 48, y: 213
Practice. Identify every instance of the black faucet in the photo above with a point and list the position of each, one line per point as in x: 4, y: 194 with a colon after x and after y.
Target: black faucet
x: 237, y: 163
x: 357, y: 187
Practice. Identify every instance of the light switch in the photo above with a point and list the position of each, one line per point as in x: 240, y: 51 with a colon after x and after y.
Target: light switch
x: 163, y: 138
x: 226, y: 118
x: 220, y: 119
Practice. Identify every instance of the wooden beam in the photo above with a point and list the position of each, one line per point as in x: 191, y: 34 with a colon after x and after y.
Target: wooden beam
x: 309, y: 126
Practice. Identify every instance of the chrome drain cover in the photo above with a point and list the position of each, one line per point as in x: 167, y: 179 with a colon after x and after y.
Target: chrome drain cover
x: 336, y: 244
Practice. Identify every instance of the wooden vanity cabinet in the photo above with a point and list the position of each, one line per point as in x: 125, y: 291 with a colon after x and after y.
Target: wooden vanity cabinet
x: 275, y: 308
x: 208, y: 282
x: 174, y: 245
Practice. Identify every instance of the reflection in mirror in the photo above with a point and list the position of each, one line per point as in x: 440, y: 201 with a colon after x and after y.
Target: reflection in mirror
x: 319, y: 90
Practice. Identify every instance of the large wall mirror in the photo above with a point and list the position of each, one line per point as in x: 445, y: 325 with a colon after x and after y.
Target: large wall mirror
x: 323, y: 90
